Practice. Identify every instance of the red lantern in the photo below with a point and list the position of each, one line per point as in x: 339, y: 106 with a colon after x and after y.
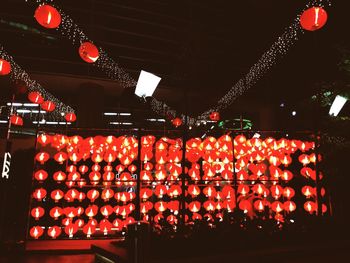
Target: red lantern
x: 48, y: 105
x: 54, y: 231
x: 70, y: 117
x: 42, y: 157
x: 289, y: 206
x: 93, y: 194
x: 106, y: 210
x: 88, y: 52
x: 37, y: 212
x: 310, y: 207
x: 105, y: 226
x: 176, y: 122
x: 194, y: 190
x: 288, y: 192
x: 56, y: 212
x: 277, y: 206
x: 89, y: 229
x: 59, y: 176
x: 145, y: 193
x: 160, y: 206
x: 308, y: 191
x: 194, y: 206
x: 209, y: 205
x: 60, y: 157
x: 16, y: 120
x: 243, y: 189
x: 39, y: 194
x: 47, y: 16
x: 214, y: 116
x: 35, y: 97
x: 57, y: 195
x: 107, y: 194
x: 44, y: 139
x: 36, y: 232
x: 209, y: 191
x: 5, y: 67
x: 313, y: 18
x: 245, y: 205
x: 70, y: 230
x: 276, y: 191
x: 91, y: 211
x: 40, y: 175
x: 259, y: 205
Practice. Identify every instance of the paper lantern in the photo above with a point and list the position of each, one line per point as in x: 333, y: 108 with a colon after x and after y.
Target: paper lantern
x: 106, y: 210
x: 277, y: 206
x: 209, y: 205
x: 42, y: 157
x: 194, y: 206
x: 288, y: 192
x: 259, y: 205
x: 174, y: 191
x: 70, y: 230
x: 91, y: 210
x: 177, y: 122
x: 194, y: 190
x: 37, y: 212
x: 289, y: 206
x: 39, y: 194
x: 36, y: 232
x: 40, y: 175
x: 145, y: 193
x: 57, y: 195
x: 276, y: 191
x: 35, y: 97
x: 5, y: 67
x: 60, y: 157
x: 47, y: 16
x: 214, y: 116
x: 59, y: 176
x: 308, y: 191
x: 209, y: 191
x: 243, y: 189
x: 118, y: 224
x: 310, y: 207
x: 16, y: 120
x: 71, y: 195
x: 88, y: 52
x: 107, y: 194
x: 56, y: 212
x: 160, y: 206
x: 89, y: 229
x: 70, y: 117
x: 93, y: 194
x: 313, y: 18
x: 48, y: 106
x: 245, y: 205
x: 105, y: 226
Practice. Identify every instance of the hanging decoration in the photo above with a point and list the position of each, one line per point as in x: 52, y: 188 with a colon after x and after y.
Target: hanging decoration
x: 5, y: 67
x: 88, y: 52
x: 36, y: 91
x: 177, y: 122
x: 48, y: 106
x: 313, y: 18
x: 70, y: 117
x: 16, y: 120
x: 35, y: 97
x: 214, y: 116
x: 47, y: 16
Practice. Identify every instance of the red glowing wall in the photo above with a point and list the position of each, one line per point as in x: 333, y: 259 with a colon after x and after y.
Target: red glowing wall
x: 86, y: 187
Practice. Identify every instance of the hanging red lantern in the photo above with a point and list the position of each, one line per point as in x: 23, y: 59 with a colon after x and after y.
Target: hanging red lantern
x: 194, y: 206
x: 44, y: 139
x: 39, y: 194
x: 194, y: 190
x: 35, y: 97
x: 54, y: 231
x: 40, y: 175
x: 89, y: 229
x: 259, y: 205
x: 93, y: 194
x: 56, y: 212
x: 209, y: 191
x: 313, y: 18
x: 16, y: 120
x: 107, y: 194
x: 57, y: 195
x: 276, y: 191
x: 145, y: 193
x: 37, y: 212
x: 243, y: 189
x: 5, y: 67
x: 48, y: 106
x: 106, y: 210
x: 245, y: 205
x: 88, y: 52
x: 36, y: 232
x: 60, y: 157
x: 308, y: 191
x: 277, y: 206
x: 176, y: 122
x: 70, y: 117
x: 160, y: 206
x: 42, y: 157
x: 289, y: 206
x: 70, y: 230
x: 310, y: 207
x: 91, y: 210
x: 59, y: 176
x: 214, y: 116
x: 105, y: 226
x: 47, y: 16
x: 209, y: 205
x: 288, y: 192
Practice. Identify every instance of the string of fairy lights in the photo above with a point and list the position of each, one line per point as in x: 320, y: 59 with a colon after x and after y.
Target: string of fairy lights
x: 278, y: 49
x: 17, y: 73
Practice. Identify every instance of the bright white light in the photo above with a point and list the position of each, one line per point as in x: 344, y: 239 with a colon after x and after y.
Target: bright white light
x: 121, y: 123
x: 115, y: 113
x: 23, y: 111
x: 256, y: 135
x: 30, y: 105
x: 146, y: 84
x: 158, y: 120
x: 337, y: 105
x: 2, y: 121
x: 36, y: 111
x: 15, y: 104
x: 294, y: 113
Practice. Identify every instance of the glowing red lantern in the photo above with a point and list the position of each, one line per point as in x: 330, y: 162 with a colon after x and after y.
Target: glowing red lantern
x: 91, y: 211
x: 5, y: 67
x: 59, y: 176
x: 35, y: 97
x: 105, y: 226
x: 36, y: 232
x: 106, y: 210
x: 174, y: 191
x: 194, y: 190
x: 70, y: 117
x: 304, y: 159
x: 310, y: 207
x: 16, y: 120
x: 313, y: 18
x: 88, y: 52
x: 40, y: 175
x: 48, y: 106
x: 70, y: 230
x: 107, y: 194
x: 57, y: 195
x: 71, y: 195
x: 288, y: 192
x: 289, y: 206
x: 209, y: 191
x: 60, y: 157
x: 56, y: 212
x: 160, y: 206
x: 243, y: 189
x: 37, y: 212
x: 259, y: 205
x: 209, y: 205
x: 54, y: 231
x: 308, y: 191
x: 214, y: 116
x: 47, y: 16
x: 176, y: 122
x: 89, y: 229
x: 245, y: 205
x: 145, y: 193
x: 229, y: 204
x: 93, y: 194
x: 194, y: 206
x: 39, y: 194
x: 276, y: 191
x: 42, y: 157
x: 277, y: 206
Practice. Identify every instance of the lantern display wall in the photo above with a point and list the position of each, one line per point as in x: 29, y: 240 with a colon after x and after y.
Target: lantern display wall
x: 87, y: 187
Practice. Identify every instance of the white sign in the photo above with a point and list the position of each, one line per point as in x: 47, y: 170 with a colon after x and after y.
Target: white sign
x: 6, y: 166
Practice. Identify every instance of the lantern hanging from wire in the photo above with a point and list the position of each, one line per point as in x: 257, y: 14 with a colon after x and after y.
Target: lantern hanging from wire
x: 313, y: 18
x: 5, y: 67
x: 49, y: 106
x: 16, y: 120
x: 37, y: 212
x: 88, y: 52
x: 47, y: 16
x: 42, y: 157
x: 39, y: 194
x: 70, y: 117
x: 71, y: 230
x: 36, y: 232
x: 56, y: 212
x: 40, y: 175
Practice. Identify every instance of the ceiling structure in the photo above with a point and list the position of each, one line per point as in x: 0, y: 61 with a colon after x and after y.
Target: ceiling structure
x: 198, y: 48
